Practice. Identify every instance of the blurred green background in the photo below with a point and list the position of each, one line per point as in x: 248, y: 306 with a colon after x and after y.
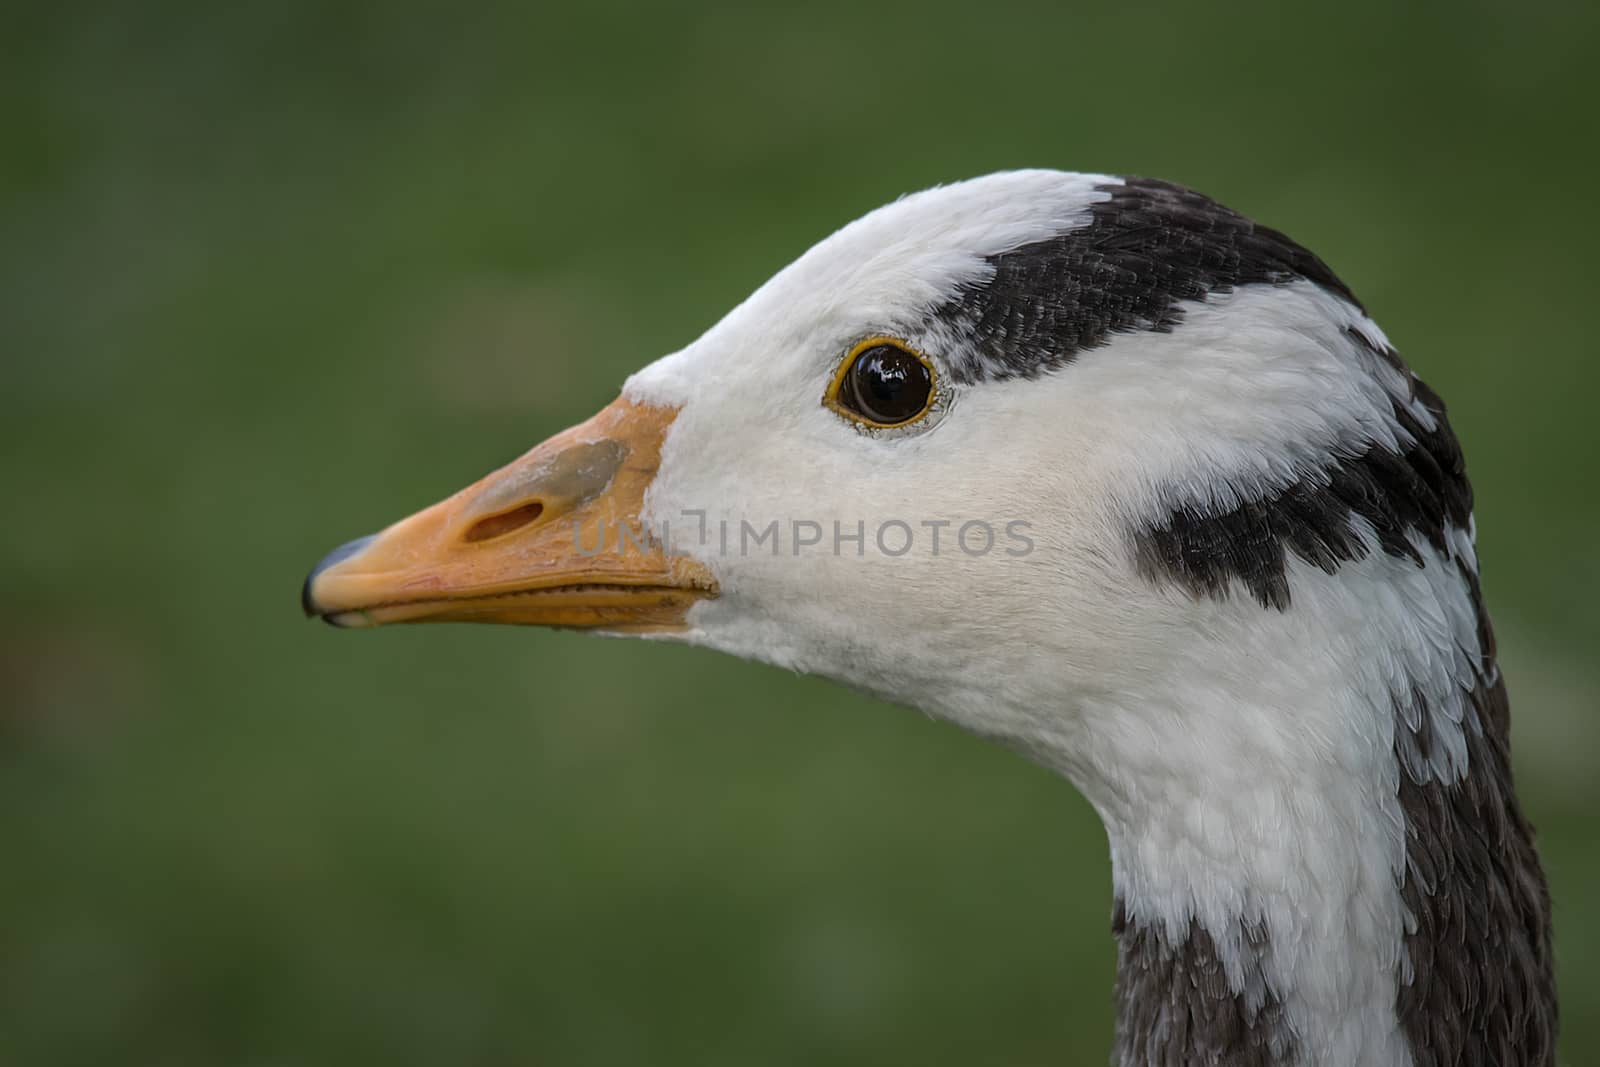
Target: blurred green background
x: 272, y: 275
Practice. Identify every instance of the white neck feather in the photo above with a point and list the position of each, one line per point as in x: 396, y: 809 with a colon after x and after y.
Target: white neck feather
x: 1251, y: 781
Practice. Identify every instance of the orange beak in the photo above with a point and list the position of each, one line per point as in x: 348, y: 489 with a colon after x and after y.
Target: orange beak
x: 552, y: 539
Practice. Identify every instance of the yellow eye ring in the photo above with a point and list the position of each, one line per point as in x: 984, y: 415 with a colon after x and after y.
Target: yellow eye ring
x: 883, y: 384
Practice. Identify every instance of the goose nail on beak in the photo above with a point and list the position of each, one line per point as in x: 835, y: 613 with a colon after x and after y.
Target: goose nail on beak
x: 552, y: 539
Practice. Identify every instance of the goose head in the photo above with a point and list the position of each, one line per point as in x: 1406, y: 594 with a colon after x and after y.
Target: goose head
x: 1102, y: 470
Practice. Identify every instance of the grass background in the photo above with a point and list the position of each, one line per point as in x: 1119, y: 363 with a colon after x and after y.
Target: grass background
x: 274, y: 274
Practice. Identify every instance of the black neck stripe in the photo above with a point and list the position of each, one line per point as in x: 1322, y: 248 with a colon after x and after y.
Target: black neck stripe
x: 1175, y: 1005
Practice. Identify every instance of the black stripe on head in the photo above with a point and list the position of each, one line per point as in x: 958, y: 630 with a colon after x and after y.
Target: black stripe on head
x: 1422, y: 489
x: 1147, y: 249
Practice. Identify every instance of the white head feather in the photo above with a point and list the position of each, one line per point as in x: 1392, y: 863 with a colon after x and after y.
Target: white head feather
x: 1241, y: 758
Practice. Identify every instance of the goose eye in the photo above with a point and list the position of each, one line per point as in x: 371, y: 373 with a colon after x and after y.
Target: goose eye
x: 884, y: 384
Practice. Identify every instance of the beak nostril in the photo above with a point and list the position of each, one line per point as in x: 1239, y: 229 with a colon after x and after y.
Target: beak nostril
x: 504, y: 523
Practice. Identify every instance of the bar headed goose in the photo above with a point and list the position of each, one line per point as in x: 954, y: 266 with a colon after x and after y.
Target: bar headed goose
x: 1105, y: 471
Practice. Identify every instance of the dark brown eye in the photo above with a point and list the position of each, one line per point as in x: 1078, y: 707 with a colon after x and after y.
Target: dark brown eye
x: 886, y: 385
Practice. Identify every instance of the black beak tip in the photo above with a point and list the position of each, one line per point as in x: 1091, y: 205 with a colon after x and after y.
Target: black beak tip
x: 308, y: 602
